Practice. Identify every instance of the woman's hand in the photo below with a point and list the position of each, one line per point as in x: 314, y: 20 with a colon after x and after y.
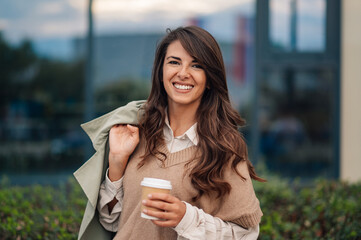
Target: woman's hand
x: 123, y: 139
x: 173, y: 209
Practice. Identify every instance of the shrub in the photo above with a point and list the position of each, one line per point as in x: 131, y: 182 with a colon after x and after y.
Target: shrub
x: 41, y: 212
x: 322, y: 210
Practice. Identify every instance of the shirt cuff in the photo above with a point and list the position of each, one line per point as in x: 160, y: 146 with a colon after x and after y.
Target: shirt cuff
x: 113, y: 189
x: 187, y: 219
x: 109, y: 190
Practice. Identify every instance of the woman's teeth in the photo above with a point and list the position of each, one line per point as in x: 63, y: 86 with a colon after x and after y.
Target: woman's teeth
x: 183, y: 87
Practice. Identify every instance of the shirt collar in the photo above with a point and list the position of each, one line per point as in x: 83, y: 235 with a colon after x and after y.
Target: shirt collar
x: 191, y: 133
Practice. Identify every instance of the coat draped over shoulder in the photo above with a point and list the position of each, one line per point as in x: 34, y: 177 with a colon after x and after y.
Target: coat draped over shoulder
x: 91, y: 174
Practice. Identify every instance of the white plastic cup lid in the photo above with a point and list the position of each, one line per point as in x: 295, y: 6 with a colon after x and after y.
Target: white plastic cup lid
x: 156, y: 183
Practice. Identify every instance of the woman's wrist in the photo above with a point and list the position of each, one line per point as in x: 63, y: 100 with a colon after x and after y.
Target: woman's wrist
x: 117, y: 164
x: 118, y: 157
x: 115, y: 174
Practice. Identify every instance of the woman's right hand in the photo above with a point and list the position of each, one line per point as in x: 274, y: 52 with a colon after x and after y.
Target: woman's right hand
x: 123, y: 139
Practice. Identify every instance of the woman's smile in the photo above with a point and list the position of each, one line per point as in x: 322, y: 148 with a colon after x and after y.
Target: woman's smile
x: 181, y: 86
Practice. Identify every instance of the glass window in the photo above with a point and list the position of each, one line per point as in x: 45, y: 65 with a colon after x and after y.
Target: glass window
x: 297, y: 25
x: 296, y: 123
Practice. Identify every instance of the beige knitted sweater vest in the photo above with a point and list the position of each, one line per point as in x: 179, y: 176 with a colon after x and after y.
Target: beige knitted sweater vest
x: 241, y: 206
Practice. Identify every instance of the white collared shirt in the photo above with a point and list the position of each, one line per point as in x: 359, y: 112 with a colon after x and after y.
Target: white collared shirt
x: 178, y: 143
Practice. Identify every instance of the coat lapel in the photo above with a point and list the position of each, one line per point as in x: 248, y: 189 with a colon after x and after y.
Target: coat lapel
x: 89, y: 176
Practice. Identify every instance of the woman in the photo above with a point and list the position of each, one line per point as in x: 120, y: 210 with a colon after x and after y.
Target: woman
x: 188, y: 134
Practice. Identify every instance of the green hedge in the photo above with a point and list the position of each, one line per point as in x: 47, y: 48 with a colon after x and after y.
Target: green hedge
x: 41, y: 212
x: 325, y: 210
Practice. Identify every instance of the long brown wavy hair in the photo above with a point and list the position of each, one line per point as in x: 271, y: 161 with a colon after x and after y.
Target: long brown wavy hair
x: 220, y: 142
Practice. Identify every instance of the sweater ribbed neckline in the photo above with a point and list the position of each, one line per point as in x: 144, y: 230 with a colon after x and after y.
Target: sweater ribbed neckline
x: 174, y: 158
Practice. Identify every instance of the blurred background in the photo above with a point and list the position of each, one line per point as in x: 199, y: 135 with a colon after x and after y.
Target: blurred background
x: 293, y: 72
x: 292, y: 69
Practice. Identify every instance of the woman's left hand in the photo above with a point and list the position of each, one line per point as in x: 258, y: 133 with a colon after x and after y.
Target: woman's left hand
x: 172, y: 208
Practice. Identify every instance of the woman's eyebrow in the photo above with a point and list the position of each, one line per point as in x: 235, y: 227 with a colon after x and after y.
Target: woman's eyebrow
x: 177, y: 58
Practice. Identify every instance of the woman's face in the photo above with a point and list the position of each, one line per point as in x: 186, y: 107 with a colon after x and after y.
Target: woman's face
x: 184, y: 79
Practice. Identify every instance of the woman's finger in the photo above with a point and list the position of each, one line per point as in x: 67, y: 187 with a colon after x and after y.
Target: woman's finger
x: 158, y: 204
x: 166, y: 219
x: 172, y: 209
x: 163, y: 197
x: 159, y: 214
x: 132, y: 128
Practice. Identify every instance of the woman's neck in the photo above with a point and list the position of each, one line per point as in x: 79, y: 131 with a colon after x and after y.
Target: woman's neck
x: 181, y: 118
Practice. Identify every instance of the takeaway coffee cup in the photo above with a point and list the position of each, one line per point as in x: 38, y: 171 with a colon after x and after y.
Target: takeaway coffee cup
x: 153, y: 185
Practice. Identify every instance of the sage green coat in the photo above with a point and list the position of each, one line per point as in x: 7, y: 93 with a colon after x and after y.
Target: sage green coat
x: 91, y: 174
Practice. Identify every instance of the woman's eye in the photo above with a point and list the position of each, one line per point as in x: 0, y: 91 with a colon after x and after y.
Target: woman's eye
x: 197, y: 66
x: 173, y: 62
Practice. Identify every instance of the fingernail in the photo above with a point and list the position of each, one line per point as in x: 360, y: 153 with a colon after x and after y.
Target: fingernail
x: 144, y: 201
x: 149, y: 195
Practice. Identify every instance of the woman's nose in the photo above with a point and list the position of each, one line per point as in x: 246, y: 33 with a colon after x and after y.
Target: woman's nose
x: 183, y: 73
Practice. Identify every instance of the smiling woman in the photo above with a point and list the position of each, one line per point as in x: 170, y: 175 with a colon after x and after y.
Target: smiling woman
x: 185, y: 133
x: 184, y: 80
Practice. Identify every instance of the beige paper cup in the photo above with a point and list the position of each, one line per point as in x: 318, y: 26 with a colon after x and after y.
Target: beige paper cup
x: 153, y: 185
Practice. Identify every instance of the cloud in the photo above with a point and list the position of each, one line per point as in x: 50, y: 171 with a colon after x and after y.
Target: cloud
x: 146, y: 6
x: 79, y: 5
x: 66, y: 18
x: 50, y: 8
x: 3, y: 24
x: 41, y: 18
x: 123, y: 9
x: 157, y: 15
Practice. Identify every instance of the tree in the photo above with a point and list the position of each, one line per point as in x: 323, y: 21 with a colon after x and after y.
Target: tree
x: 120, y: 93
x: 15, y: 63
